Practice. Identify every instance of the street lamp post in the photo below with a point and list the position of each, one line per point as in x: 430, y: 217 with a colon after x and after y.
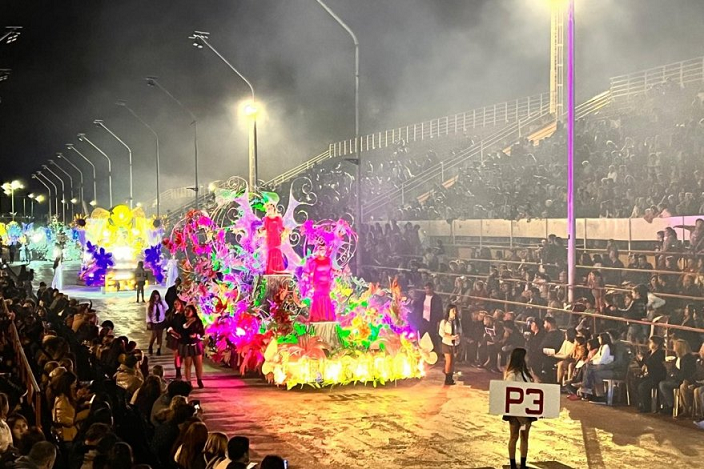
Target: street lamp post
x: 358, y: 160
x: 152, y: 81
x: 70, y: 183
x: 61, y: 156
x: 63, y: 193
x: 10, y: 188
x: 93, y: 202
x: 201, y: 37
x: 83, y: 138
x: 11, y: 34
x: 100, y: 123
x: 156, y: 136
x: 56, y: 192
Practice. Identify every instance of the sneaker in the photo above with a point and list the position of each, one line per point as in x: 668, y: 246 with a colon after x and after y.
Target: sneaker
x: 699, y: 424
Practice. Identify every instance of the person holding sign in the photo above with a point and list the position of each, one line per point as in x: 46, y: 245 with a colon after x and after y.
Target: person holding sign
x: 450, y: 332
x: 517, y: 370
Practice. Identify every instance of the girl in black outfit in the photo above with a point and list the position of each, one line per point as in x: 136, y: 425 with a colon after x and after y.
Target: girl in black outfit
x: 190, y: 344
x: 652, y: 372
x: 174, y: 330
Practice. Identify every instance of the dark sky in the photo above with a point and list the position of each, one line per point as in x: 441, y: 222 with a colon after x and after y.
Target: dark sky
x: 419, y: 59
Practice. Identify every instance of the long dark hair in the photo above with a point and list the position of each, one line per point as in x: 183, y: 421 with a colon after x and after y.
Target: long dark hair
x: 517, y: 364
x: 152, y: 300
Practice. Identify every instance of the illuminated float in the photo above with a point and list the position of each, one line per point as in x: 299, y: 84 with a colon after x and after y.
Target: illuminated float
x: 277, y: 297
x: 113, y: 242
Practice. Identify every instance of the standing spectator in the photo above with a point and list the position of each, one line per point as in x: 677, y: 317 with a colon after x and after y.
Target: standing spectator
x: 140, y: 278
x: 5, y: 432
x: 18, y: 426
x: 156, y: 320
x: 172, y: 293
x: 41, y: 456
x: 190, y: 346
x: 64, y: 409
x: 428, y: 309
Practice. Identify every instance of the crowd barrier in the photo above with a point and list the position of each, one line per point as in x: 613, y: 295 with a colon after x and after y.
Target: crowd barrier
x: 34, y: 396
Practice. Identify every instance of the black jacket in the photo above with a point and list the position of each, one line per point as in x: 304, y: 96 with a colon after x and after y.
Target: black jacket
x: 687, y: 369
x: 654, y: 363
x: 436, y: 312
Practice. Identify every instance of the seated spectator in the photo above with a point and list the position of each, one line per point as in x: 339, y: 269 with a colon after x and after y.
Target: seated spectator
x: 551, y: 343
x: 681, y: 369
x: 579, y: 355
x: 690, y: 390
x: 564, y: 354
x: 190, y: 454
x: 144, y: 398
x: 175, y: 388
x: 595, y: 366
x: 128, y: 377
x: 85, y: 451
x: 273, y: 462
x: 166, y: 435
x: 215, y: 450
x: 41, y: 456
x: 652, y: 372
x: 19, y: 427
x: 237, y: 454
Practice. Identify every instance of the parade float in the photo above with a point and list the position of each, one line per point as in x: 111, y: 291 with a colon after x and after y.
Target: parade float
x: 43, y: 243
x: 113, y: 242
x: 278, y: 299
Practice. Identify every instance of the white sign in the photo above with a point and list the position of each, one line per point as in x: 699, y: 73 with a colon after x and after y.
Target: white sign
x: 520, y: 399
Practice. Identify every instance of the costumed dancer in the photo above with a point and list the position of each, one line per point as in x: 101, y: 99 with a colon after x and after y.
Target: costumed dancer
x: 57, y: 282
x: 174, y: 331
x: 322, y: 308
x: 517, y: 370
x: 450, y: 332
x: 190, y: 345
x: 274, y: 229
x: 171, y: 272
x: 156, y: 320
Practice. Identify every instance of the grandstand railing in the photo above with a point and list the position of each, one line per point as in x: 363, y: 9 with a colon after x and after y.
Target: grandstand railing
x: 588, y: 229
x: 487, y: 116
x: 34, y: 395
x: 682, y: 73
x: 439, y: 173
x: 293, y: 172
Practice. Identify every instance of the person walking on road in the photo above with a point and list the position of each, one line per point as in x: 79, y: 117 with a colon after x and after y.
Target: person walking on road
x: 140, y: 278
x: 156, y: 320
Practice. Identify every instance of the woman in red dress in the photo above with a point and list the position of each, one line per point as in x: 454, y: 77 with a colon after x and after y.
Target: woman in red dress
x: 274, y: 228
x: 321, y: 307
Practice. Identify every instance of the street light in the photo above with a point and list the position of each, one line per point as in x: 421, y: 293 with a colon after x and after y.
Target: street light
x: 70, y: 181
x: 11, y: 34
x: 100, y: 123
x: 10, y: 188
x: 63, y: 193
x: 152, y: 81
x: 357, y: 160
x: 61, y: 156
x: 93, y: 202
x: 158, y: 195
x: 82, y: 138
x: 56, y: 191
x: 200, y: 38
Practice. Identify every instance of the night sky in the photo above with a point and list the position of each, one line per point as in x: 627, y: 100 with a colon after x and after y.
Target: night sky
x: 419, y: 59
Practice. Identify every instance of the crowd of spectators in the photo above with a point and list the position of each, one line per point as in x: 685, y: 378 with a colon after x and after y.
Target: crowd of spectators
x: 638, y: 161
x: 102, y: 406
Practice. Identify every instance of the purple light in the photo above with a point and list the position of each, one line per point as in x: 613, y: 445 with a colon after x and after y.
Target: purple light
x: 571, y: 223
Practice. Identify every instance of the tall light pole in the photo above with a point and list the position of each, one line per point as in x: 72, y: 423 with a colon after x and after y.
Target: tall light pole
x: 70, y: 184
x: 34, y: 176
x: 10, y: 188
x: 156, y: 136
x: 152, y: 81
x: 200, y: 38
x: 56, y: 192
x: 571, y: 216
x: 63, y: 193
x: 100, y: 123
x: 82, y: 138
x: 93, y: 202
x: 61, y: 156
x: 357, y: 157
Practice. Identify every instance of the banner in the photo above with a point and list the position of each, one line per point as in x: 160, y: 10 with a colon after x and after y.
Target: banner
x: 520, y: 399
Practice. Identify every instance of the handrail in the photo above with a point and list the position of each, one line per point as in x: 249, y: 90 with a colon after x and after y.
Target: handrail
x: 439, y: 169
x: 34, y: 394
x: 295, y: 171
x: 492, y: 115
x: 683, y: 72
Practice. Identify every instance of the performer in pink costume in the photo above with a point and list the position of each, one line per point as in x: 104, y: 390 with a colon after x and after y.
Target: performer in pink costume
x: 321, y: 308
x: 274, y: 228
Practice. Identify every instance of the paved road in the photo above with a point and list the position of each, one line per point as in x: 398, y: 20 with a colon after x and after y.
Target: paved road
x: 418, y: 424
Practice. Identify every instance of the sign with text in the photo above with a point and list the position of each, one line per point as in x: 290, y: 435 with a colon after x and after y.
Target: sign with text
x: 524, y: 399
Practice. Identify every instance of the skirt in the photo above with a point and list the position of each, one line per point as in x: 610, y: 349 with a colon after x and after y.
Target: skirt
x: 190, y: 350
x: 448, y: 349
x: 171, y: 342
x: 518, y: 420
